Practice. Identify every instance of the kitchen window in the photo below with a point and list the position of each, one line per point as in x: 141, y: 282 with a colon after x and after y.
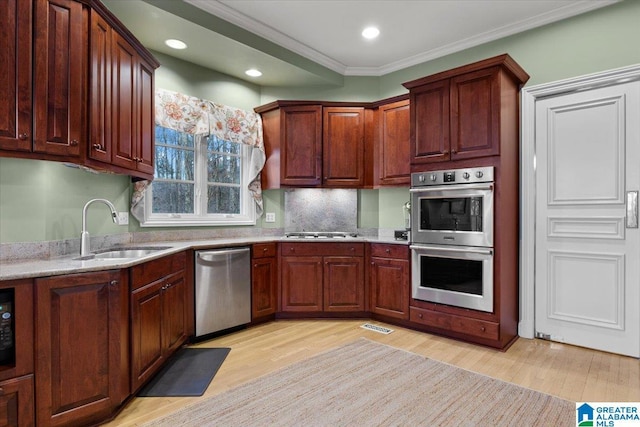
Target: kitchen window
x: 199, y: 180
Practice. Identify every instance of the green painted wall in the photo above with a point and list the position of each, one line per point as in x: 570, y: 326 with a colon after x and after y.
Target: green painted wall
x: 42, y: 201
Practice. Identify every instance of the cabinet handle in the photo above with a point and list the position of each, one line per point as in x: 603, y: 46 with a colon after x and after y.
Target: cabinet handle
x: 98, y: 147
x: 264, y: 249
x: 292, y: 249
x: 1, y: 391
x: 23, y: 136
x: 420, y: 315
x: 74, y: 142
x: 255, y: 265
x: 454, y: 151
x: 114, y: 283
x: 482, y: 328
x: 373, y: 263
x: 388, y: 251
x: 352, y: 249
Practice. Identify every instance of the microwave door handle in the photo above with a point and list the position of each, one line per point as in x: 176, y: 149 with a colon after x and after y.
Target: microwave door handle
x: 481, y: 251
x: 452, y: 188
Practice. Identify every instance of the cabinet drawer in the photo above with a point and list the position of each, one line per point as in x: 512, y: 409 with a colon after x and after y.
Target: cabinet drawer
x: 390, y: 251
x: 17, y: 402
x: 153, y: 270
x: 451, y: 322
x: 321, y: 249
x: 264, y: 250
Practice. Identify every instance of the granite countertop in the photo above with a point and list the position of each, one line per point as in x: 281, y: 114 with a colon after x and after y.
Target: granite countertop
x: 69, y: 264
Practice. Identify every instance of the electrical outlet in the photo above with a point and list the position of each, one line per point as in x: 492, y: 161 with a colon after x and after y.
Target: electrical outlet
x: 123, y: 218
x: 270, y: 217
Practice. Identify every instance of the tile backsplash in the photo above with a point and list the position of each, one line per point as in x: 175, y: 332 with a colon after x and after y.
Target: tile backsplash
x: 319, y: 209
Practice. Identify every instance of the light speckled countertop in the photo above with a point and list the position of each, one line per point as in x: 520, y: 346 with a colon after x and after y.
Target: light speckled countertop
x: 69, y: 264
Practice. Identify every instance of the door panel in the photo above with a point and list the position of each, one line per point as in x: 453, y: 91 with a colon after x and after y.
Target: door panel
x: 587, y: 275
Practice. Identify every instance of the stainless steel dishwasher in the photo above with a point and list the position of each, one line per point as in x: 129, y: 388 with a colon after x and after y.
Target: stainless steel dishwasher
x: 223, y: 289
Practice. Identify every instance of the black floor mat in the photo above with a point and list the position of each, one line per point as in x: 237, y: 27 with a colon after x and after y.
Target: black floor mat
x: 188, y: 373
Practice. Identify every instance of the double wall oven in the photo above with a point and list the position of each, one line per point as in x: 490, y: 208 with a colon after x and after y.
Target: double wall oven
x: 452, y: 237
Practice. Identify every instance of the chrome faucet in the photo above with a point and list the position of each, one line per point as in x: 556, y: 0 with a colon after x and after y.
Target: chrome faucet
x: 84, y: 237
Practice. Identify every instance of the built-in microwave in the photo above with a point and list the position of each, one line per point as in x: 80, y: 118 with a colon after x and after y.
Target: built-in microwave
x: 7, y: 339
x: 453, y: 207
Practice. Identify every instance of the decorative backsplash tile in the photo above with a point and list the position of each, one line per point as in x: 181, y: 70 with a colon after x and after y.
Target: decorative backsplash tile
x: 319, y: 209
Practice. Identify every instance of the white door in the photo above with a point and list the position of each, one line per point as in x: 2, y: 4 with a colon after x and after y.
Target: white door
x: 587, y: 259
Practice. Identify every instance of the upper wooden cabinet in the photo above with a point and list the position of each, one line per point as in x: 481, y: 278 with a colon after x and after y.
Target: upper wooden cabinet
x: 313, y: 145
x: 465, y: 112
x: 69, y: 94
x: 392, y: 150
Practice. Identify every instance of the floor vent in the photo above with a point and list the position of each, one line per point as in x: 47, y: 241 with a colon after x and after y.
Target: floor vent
x: 377, y: 328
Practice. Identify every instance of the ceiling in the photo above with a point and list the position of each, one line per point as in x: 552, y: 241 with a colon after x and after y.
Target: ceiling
x: 310, y: 42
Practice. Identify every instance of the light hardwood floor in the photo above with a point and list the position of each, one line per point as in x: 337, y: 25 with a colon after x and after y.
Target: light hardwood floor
x: 573, y: 373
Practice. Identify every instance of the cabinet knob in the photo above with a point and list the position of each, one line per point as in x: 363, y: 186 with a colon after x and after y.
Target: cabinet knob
x: 98, y: 147
x: 264, y: 249
x: 114, y: 283
x: 388, y: 251
x: 482, y: 328
x: 373, y: 263
x: 23, y: 136
x: 420, y: 315
x: 352, y: 249
x: 454, y: 151
x: 1, y: 391
x: 255, y: 265
x: 292, y: 249
x: 74, y: 142
x: 445, y: 152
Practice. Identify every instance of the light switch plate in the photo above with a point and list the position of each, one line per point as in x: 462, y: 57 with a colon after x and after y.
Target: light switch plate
x: 270, y: 217
x: 123, y: 218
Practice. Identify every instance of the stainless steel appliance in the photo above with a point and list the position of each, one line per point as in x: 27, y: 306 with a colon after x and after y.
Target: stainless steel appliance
x: 452, y: 237
x: 453, y: 207
x: 222, y: 289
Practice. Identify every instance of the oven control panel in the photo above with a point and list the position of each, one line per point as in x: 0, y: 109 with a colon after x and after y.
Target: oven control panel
x: 452, y: 176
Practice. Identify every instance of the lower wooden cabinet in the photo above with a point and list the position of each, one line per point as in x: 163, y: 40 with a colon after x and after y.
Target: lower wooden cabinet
x: 389, y: 280
x: 81, y: 347
x: 16, y: 402
x: 158, y: 315
x: 264, y: 280
x: 322, y: 277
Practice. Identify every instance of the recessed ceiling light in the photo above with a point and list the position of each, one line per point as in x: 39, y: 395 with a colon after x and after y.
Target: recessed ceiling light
x: 175, y: 44
x: 370, y: 33
x: 253, y: 73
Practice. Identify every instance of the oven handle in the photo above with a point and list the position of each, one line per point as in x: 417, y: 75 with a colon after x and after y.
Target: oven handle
x: 452, y: 188
x: 465, y: 249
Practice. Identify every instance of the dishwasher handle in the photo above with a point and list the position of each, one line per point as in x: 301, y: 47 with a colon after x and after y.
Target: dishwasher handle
x: 211, y: 255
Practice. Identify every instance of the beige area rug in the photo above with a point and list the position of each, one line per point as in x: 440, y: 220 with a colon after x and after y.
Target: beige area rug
x: 370, y: 384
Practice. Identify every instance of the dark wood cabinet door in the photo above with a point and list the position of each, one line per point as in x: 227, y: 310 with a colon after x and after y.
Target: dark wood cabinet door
x: 15, y: 79
x: 264, y: 287
x: 301, y: 281
x: 123, y: 103
x: 17, y: 402
x: 430, y: 122
x: 475, y: 114
x: 100, y: 89
x: 145, y: 117
x: 390, y: 287
x: 394, y: 149
x: 343, y: 147
x: 59, y: 78
x: 343, y: 283
x: 146, y: 332
x: 78, y: 347
x: 301, y: 145
x: 174, y: 319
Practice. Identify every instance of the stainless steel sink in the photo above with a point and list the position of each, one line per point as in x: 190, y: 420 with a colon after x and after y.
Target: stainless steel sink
x: 124, y: 253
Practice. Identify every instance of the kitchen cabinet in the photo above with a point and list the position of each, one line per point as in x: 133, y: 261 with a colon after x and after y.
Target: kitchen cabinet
x: 16, y: 77
x: 81, y: 347
x: 393, y: 145
x: 85, y: 96
x: 159, y: 314
x: 313, y: 144
x: 464, y: 113
x: 122, y: 93
x: 343, y: 147
x: 389, y: 280
x: 264, y: 280
x: 16, y: 375
x: 322, y: 277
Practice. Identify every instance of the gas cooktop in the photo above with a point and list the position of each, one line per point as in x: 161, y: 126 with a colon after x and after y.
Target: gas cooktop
x: 320, y: 235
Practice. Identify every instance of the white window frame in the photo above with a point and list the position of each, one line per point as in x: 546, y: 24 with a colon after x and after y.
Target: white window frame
x: 247, y: 215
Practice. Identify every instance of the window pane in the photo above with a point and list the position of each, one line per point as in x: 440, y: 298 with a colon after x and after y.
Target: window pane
x: 224, y: 200
x: 221, y: 146
x: 174, y: 163
x: 172, y: 197
x: 173, y: 137
x: 223, y: 169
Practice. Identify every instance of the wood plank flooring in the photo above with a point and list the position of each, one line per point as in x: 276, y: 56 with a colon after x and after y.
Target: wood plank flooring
x: 572, y: 373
